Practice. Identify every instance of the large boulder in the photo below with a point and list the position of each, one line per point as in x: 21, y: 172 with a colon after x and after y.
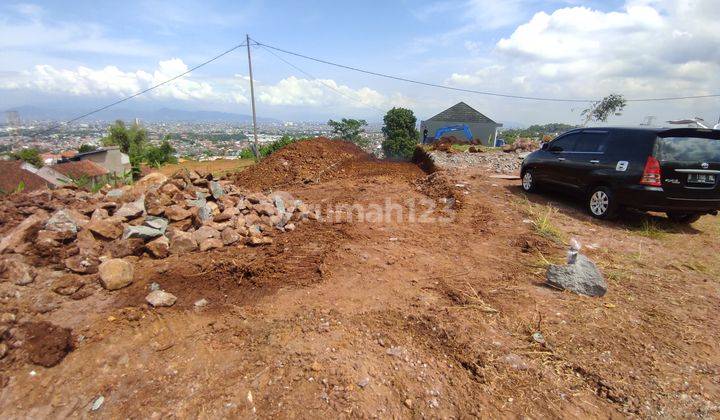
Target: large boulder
x: 158, y: 298
x: 176, y: 213
x: 121, y: 248
x: 159, y: 248
x: 18, y: 272
x: 156, y: 223
x: 143, y: 232
x: 582, y: 277
x: 216, y: 189
x: 205, y: 232
x: 182, y: 242
x: 210, y: 243
x: 116, y: 274
x: 19, y: 233
x: 230, y: 236
x: 154, y: 178
x: 107, y: 229
x: 63, y: 222
x: 132, y: 209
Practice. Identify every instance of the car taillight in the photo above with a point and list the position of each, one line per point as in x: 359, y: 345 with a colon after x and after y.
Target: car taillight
x: 651, y: 174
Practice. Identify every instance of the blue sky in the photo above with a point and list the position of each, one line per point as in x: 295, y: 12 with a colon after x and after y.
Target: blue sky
x: 80, y: 54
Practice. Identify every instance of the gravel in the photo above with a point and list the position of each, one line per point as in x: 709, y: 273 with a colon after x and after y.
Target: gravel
x: 501, y: 163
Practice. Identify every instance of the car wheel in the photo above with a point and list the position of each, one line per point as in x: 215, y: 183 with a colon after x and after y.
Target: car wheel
x: 601, y: 203
x: 528, y: 181
x: 684, y: 218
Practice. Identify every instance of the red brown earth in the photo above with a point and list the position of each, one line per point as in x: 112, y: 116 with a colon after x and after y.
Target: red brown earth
x: 430, y: 315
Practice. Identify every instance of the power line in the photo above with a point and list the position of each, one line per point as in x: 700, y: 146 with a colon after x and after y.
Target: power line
x: 479, y: 92
x: 327, y: 85
x: 127, y: 98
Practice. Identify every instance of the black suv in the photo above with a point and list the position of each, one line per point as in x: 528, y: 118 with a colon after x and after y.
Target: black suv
x: 669, y: 170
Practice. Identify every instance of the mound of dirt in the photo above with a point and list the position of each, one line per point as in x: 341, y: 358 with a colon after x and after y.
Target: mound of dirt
x: 47, y: 343
x: 305, y: 161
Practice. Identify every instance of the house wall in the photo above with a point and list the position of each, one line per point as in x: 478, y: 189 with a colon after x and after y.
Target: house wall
x: 484, y: 133
x: 52, y: 176
x: 111, y: 159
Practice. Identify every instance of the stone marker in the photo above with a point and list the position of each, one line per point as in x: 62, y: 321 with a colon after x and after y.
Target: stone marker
x: 582, y: 277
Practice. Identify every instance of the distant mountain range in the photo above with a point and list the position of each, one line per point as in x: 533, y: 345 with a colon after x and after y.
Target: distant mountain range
x: 158, y: 115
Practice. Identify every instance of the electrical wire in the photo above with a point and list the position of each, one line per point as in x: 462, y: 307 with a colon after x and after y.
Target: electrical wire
x: 134, y: 95
x: 327, y: 85
x: 479, y: 92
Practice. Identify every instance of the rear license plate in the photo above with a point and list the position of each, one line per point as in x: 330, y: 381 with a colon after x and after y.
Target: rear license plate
x: 701, y: 179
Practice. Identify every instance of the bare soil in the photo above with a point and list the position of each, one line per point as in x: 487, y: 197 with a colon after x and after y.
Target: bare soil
x: 401, y: 317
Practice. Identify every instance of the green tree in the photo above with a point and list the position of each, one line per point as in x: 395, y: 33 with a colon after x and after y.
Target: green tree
x: 401, y: 136
x: 603, y: 109
x: 399, y: 122
x: 157, y: 156
x: 350, y: 130
x: 31, y: 156
x: 87, y: 148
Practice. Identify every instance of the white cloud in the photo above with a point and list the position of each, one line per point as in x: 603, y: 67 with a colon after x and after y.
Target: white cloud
x: 111, y: 81
x: 319, y: 92
x: 648, y: 48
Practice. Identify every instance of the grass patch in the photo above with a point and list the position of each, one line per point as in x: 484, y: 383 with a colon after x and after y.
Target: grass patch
x: 650, y: 229
x: 543, y: 225
x: 460, y: 147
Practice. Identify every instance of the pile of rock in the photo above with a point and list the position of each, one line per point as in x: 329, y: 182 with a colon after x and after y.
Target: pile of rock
x: 156, y: 217
x: 501, y: 163
x: 521, y: 145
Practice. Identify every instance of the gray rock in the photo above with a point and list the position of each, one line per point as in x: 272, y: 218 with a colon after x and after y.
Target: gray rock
x: 205, y: 213
x: 158, y: 298
x: 199, y: 200
x: 216, y: 189
x: 154, y: 286
x: 132, y: 210
x: 116, y: 193
x: 142, y: 232
x: 582, y: 277
x: 158, y: 223
x: 279, y: 204
x: 201, y: 303
x: 97, y: 403
x: 62, y: 221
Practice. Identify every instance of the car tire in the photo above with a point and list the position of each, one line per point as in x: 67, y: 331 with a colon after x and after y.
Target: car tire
x: 683, y: 218
x: 527, y: 181
x: 601, y: 203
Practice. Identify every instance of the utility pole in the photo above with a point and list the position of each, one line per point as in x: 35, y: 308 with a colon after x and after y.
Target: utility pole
x: 252, y: 99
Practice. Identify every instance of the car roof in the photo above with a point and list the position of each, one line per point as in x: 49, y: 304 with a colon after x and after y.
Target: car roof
x: 660, y: 131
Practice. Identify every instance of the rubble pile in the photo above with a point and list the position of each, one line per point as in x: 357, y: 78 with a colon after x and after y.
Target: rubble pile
x: 521, y: 145
x: 84, y: 233
x: 501, y: 163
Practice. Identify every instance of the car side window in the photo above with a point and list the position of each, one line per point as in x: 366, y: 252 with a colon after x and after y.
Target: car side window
x: 565, y: 143
x: 592, y: 142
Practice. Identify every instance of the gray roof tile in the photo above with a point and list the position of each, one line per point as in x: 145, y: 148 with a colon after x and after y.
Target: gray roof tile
x: 462, y: 113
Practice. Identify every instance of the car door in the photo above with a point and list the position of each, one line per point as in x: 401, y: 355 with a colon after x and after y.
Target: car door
x: 556, y: 171
x: 587, y: 161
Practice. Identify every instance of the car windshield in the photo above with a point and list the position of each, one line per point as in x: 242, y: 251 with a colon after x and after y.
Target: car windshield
x: 692, y: 149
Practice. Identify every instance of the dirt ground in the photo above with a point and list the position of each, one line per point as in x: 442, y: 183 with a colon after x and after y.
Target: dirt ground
x: 428, y: 313
x: 217, y: 167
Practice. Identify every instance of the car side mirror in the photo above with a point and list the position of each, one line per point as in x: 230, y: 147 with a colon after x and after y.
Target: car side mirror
x: 544, y: 146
